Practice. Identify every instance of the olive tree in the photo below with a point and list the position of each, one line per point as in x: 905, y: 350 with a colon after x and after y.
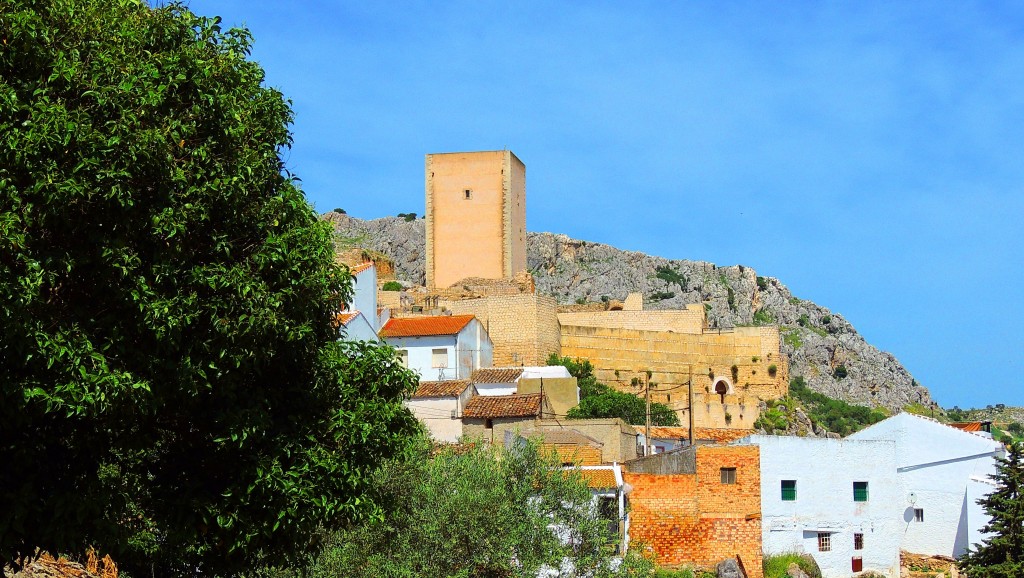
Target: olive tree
x: 172, y: 390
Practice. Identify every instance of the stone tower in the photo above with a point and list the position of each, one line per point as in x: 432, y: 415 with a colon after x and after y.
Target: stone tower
x: 476, y: 216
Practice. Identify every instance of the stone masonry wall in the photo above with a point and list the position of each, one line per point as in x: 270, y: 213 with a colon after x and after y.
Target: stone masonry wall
x: 621, y: 356
x: 523, y: 328
x: 696, y: 519
x: 689, y: 320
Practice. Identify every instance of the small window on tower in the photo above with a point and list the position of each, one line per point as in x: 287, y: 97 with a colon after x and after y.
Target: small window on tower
x: 468, y: 194
x: 918, y: 514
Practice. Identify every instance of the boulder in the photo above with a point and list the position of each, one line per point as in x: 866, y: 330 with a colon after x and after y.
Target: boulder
x: 795, y: 571
x: 729, y: 568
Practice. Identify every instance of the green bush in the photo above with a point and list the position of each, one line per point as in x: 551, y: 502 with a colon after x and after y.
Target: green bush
x: 762, y: 283
x: 671, y: 276
x: 763, y: 317
x: 840, y: 372
x: 836, y: 415
x: 662, y: 295
x: 804, y: 320
x: 778, y: 565
x: 826, y: 320
x: 391, y: 286
x: 340, y: 211
x: 791, y: 337
x: 773, y: 369
x: 731, y: 298
x: 409, y: 217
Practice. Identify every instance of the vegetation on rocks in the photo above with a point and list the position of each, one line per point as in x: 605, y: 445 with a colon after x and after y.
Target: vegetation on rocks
x: 777, y: 566
x: 825, y: 414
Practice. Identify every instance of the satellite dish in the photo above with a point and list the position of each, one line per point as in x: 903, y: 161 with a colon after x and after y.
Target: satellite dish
x: 912, y: 498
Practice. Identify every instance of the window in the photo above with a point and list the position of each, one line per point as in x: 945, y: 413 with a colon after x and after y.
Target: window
x: 468, y: 194
x: 788, y: 490
x: 918, y: 514
x: 824, y: 542
x: 858, y: 541
x: 860, y: 491
x: 403, y: 357
x: 439, y: 357
x: 488, y: 424
x: 728, y: 475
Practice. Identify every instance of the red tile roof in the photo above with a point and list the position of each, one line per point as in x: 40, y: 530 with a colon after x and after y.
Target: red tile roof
x: 357, y: 269
x: 422, y: 326
x: 518, y: 405
x: 603, y: 478
x: 449, y: 388
x: 496, y: 375
x: 716, y: 434
x: 347, y: 317
x: 967, y: 426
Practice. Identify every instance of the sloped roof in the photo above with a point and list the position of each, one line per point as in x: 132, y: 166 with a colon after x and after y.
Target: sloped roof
x: 496, y: 375
x: 967, y: 426
x: 347, y: 317
x: 357, y: 269
x: 448, y: 388
x: 562, y: 436
x: 715, y: 434
x: 424, y: 326
x: 600, y: 478
x: 518, y: 405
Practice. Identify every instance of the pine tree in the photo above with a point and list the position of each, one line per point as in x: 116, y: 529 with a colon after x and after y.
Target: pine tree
x: 1002, y: 554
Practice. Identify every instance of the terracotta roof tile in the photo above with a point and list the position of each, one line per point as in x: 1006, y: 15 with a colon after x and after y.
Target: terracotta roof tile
x: 422, y: 326
x: 449, y: 388
x: 967, y: 426
x: 357, y: 269
x: 720, y: 435
x: 602, y: 478
x: 347, y: 317
x: 518, y: 405
x: 496, y: 375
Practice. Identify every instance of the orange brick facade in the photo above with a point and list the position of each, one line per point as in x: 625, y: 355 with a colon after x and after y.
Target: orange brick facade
x: 695, y: 518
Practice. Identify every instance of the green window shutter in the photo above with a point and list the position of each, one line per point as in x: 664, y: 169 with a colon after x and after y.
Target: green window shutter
x: 860, y: 491
x: 788, y: 490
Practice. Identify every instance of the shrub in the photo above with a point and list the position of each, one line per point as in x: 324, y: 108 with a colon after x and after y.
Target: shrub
x: 777, y: 566
x: 735, y: 372
x: 671, y: 276
x: 763, y: 317
x: 762, y: 283
x: 803, y: 321
x: 409, y: 217
x: 839, y: 372
x: 662, y: 295
x: 731, y: 298
x: 391, y: 286
x: 340, y: 211
x: 792, y: 339
x: 826, y: 320
x: 772, y: 370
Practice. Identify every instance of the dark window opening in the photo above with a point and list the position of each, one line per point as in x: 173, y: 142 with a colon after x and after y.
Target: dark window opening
x: 728, y: 475
x: 858, y: 541
x: 860, y: 491
x: 488, y: 424
x: 788, y: 490
x: 468, y: 193
x: 918, y: 514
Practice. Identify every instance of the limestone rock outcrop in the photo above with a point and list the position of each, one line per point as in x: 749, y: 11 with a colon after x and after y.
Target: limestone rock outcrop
x: 822, y: 346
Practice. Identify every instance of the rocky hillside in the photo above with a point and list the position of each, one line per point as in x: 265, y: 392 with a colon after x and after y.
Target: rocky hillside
x: 822, y: 346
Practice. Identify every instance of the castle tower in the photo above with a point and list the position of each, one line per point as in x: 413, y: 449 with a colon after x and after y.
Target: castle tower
x: 476, y: 216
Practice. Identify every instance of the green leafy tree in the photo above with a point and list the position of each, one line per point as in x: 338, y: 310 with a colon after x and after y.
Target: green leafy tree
x: 479, y: 511
x: 1002, y: 554
x: 597, y: 400
x: 172, y: 389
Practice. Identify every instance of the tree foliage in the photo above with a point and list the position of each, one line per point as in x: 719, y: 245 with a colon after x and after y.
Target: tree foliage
x: 835, y: 414
x: 597, y: 400
x: 1002, y: 554
x: 476, y: 512
x: 172, y: 389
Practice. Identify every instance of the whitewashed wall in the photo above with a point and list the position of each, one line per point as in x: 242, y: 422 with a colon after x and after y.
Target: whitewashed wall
x: 935, y: 464
x: 824, y: 470
x: 365, y: 299
x: 421, y: 356
x: 359, y: 329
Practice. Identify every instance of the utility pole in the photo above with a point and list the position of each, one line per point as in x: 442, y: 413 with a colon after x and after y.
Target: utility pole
x: 647, y: 452
x: 689, y: 411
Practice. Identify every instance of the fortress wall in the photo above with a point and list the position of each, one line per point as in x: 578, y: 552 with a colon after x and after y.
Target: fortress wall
x: 524, y: 327
x: 674, y: 359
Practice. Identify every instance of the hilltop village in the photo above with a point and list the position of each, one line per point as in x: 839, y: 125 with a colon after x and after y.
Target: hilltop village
x: 708, y: 492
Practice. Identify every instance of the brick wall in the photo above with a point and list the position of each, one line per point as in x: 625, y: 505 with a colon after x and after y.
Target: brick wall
x: 694, y: 518
x: 524, y: 328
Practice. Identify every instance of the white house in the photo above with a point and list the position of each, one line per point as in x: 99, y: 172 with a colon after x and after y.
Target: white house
x: 837, y: 500
x: 355, y: 327
x: 942, y: 471
x: 505, y: 380
x: 359, y: 320
x: 440, y: 347
x: 439, y: 404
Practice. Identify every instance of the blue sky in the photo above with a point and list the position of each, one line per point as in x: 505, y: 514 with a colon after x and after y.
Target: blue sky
x: 869, y: 154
